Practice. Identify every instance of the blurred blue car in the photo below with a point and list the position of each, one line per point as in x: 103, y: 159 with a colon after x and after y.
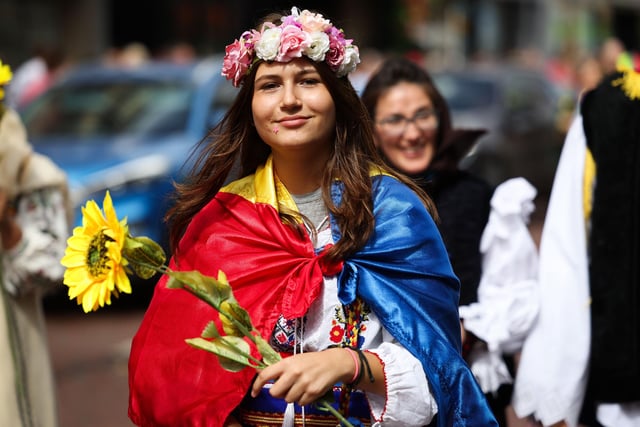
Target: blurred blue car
x: 129, y: 131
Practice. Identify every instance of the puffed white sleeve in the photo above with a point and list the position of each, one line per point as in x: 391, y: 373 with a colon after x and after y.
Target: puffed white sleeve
x: 34, y: 263
x: 409, y: 401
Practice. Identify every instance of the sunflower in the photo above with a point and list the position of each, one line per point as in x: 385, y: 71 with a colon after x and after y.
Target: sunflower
x: 95, y: 267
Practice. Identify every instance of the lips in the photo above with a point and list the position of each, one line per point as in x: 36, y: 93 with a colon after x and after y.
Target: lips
x: 293, y: 121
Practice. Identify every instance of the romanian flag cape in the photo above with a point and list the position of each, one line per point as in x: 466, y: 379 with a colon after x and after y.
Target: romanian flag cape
x: 403, y: 273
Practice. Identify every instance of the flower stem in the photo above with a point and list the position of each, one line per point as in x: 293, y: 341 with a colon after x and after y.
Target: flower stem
x: 326, y: 406
x: 259, y: 364
x: 163, y: 269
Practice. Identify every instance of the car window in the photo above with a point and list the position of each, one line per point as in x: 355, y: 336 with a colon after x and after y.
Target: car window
x: 464, y: 93
x: 525, y: 93
x: 104, y: 109
x: 224, y: 96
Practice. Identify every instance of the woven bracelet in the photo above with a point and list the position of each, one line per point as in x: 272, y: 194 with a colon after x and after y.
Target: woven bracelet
x: 364, y: 362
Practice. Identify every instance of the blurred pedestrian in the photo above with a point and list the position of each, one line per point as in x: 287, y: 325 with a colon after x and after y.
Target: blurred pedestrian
x: 132, y: 55
x: 581, y: 362
x: 34, y: 227
x: 35, y: 75
x: 589, y: 72
x: 178, y: 53
x: 318, y: 239
x: 414, y: 133
x: 610, y: 51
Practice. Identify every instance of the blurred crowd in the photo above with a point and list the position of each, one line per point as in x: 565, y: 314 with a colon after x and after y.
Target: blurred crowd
x: 573, y: 73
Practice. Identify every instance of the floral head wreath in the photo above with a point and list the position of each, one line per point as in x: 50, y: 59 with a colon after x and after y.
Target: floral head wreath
x: 301, y: 33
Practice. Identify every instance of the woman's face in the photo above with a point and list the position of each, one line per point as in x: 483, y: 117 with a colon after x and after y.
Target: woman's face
x: 293, y: 110
x: 406, y: 125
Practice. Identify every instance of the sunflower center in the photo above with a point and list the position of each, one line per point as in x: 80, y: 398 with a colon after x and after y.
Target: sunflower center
x: 97, y: 255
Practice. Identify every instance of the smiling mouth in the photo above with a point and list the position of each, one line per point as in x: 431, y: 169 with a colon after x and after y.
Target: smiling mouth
x: 413, y: 152
x: 293, y: 121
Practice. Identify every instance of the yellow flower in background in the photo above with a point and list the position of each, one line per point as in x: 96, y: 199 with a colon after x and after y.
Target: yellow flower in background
x: 5, y: 77
x: 95, y: 267
x: 629, y: 66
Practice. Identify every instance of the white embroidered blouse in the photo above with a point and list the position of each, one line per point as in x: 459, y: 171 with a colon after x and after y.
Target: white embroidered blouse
x: 34, y: 263
x: 408, y: 401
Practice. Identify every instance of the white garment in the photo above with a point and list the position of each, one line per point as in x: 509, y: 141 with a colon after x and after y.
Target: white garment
x: 613, y: 415
x: 35, y: 261
x: 551, y: 377
x: 28, y: 73
x: 409, y: 401
x: 508, y: 297
x: 29, y: 270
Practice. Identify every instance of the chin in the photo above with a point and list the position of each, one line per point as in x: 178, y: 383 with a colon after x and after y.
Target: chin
x: 412, y: 167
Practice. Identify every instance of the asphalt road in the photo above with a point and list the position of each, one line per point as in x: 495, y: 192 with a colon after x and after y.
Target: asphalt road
x: 89, y: 353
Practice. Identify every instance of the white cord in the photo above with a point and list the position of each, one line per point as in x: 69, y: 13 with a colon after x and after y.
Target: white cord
x: 290, y: 414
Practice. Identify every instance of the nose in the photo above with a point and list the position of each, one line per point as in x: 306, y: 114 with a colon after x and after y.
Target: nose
x: 289, y: 96
x: 412, y: 130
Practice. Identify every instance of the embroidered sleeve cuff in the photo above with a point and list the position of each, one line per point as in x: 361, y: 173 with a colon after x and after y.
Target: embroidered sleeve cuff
x: 408, y: 401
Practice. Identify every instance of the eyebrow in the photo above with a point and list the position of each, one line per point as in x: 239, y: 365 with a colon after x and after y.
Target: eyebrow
x: 305, y: 71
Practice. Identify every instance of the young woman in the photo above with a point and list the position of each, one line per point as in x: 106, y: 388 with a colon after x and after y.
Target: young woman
x: 317, y: 240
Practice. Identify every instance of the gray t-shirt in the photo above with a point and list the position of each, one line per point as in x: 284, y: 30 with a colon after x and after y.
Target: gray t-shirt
x: 312, y: 206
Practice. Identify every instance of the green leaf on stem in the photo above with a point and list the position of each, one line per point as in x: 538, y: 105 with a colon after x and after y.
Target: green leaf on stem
x: 210, y: 331
x: 145, y: 256
x: 231, y: 351
x: 207, y: 288
x: 232, y: 310
x: 269, y: 355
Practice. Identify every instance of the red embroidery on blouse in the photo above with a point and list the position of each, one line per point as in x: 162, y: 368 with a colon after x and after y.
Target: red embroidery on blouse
x: 386, y: 387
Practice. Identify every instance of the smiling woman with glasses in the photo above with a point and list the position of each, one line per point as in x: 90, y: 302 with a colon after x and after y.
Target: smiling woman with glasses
x: 414, y: 134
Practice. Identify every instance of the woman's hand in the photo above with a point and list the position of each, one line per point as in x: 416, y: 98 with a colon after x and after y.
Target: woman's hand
x: 304, y: 378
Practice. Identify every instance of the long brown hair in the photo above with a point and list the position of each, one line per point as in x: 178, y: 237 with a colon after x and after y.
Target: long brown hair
x: 234, y: 143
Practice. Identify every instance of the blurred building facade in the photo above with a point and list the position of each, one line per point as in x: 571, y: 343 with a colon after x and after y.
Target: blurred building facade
x: 451, y: 32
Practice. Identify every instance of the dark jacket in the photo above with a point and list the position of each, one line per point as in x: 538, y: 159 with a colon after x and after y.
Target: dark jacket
x: 463, y: 204
x: 611, y: 123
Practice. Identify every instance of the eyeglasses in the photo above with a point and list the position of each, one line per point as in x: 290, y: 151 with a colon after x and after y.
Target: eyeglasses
x: 396, y: 125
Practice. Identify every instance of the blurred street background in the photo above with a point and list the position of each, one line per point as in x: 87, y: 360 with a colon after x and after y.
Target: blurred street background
x: 121, y: 91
